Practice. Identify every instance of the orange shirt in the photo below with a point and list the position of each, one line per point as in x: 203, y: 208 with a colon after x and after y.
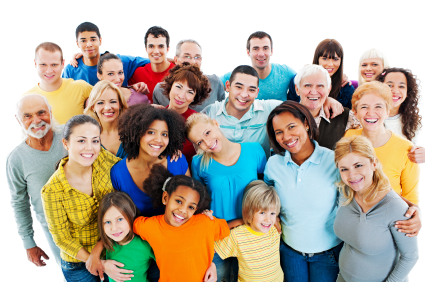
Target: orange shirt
x: 182, y: 253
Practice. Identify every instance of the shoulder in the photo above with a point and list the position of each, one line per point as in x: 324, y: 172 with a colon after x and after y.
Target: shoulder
x: 254, y: 146
x: 396, y: 206
x: 284, y: 69
x: 212, y: 109
x: 33, y: 90
x: 213, y: 78
x: 77, y: 83
x: 106, y: 160
x: 54, y: 185
x: 275, y: 159
x: 400, y: 142
x: 118, y: 167
x: 269, y: 105
x: 353, y: 132
x: 17, y: 155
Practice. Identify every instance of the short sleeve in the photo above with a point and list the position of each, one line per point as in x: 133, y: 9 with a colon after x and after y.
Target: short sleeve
x: 221, y: 229
x: 140, y: 227
x: 227, y: 247
x: 207, y: 110
x: 66, y: 73
x: 195, y: 169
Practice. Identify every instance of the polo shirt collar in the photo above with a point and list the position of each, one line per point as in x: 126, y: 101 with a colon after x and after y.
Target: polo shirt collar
x: 315, y: 158
x: 256, y: 106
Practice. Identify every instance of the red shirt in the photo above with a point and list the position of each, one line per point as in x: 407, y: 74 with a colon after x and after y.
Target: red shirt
x: 147, y: 75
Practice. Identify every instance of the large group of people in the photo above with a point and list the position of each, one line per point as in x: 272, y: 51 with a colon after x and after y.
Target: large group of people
x: 146, y: 170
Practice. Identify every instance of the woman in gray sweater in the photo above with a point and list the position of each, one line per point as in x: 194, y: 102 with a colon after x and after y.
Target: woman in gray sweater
x: 373, y: 248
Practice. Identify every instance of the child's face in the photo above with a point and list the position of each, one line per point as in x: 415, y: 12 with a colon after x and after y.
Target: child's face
x: 263, y: 220
x: 115, y: 225
x: 180, y: 206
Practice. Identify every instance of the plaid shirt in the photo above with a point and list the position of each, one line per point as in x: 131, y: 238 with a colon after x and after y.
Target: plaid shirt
x: 72, y: 215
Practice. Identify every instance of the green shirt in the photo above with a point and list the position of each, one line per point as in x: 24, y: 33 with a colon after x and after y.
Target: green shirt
x: 135, y: 256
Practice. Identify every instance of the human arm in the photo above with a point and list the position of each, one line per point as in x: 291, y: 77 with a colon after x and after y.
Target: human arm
x: 345, y: 80
x: 34, y: 255
x: 413, y: 225
x: 334, y: 105
x: 345, y: 95
x: 73, y: 62
x: 211, y: 273
x: 235, y: 223
x: 292, y: 94
x: 417, y: 154
x: 140, y: 87
x: 130, y: 64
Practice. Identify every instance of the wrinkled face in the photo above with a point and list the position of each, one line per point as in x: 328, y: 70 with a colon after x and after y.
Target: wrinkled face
x: 313, y: 91
x: 242, y: 92
x: 263, y: 221
x: 157, y: 49
x: 206, y: 136
x: 370, y: 68
x: 371, y: 111
x: 35, y: 117
x: 290, y: 132
x: 181, y: 95
x: 84, y: 144
x: 107, y: 107
x: 115, y: 225
x: 356, y: 171
x: 189, y: 52
x: 155, y: 140
x: 329, y: 64
x: 89, y: 43
x: 49, y: 66
x: 260, y: 52
x: 398, y: 83
x: 180, y: 206
x: 112, y: 71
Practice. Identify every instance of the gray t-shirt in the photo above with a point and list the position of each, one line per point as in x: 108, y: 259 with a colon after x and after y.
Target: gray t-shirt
x: 27, y: 171
x: 217, y: 94
x: 373, y: 248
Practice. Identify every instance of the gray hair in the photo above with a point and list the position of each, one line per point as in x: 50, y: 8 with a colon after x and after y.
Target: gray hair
x: 372, y: 54
x: 181, y: 42
x: 308, y: 70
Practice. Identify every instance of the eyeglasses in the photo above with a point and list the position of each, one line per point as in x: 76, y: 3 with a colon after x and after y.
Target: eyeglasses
x: 196, y: 58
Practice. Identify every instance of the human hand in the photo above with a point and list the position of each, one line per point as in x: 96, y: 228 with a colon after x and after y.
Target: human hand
x: 141, y: 87
x: 331, y: 103
x: 277, y: 225
x: 94, y: 265
x: 73, y: 62
x: 417, y: 154
x: 235, y: 223
x: 176, y: 156
x: 208, y: 213
x: 112, y: 269
x: 211, y: 274
x: 345, y: 80
x: 34, y: 255
x: 161, y: 107
x: 410, y: 226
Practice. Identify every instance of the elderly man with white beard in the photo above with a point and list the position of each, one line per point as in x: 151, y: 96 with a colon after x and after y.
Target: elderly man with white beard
x: 29, y: 166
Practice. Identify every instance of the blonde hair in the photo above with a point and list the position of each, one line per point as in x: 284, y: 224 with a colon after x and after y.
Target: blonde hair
x: 258, y: 196
x: 372, y: 54
x: 361, y: 146
x: 97, y: 92
x: 374, y: 87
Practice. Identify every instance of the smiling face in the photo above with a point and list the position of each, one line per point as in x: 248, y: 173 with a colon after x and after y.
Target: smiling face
x: 313, y: 91
x: 49, y: 66
x: 115, y: 224
x: 180, y: 206
x: 206, y: 136
x: 107, y: 107
x: 356, y: 171
x: 189, y: 52
x: 155, y: 140
x: 263, y: 220
x: 112, y: 71
x: 89, y: 44
x: 84, y: 144
x: 157, y: 49
x: 370, y: 68
x: 371, y: 111
x: 242, y: 92
x: 35, y: 117
x: 331, y: 65
x: 398, y: 83
x: 260, y: 52
x: 181, y: 96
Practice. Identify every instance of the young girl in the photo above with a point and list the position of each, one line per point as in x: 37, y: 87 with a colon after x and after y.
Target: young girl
x: 182, y: 239
x: 115, y: 220
x: 256, y: 242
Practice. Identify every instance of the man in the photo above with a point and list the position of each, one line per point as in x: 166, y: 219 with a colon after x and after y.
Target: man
x: 157, y: 44
x: 241, y: 116
x: 66, y: 96
x: 190, y: 51
x: 89, y: 41
x: 274, y: 78
x: 29, y: 166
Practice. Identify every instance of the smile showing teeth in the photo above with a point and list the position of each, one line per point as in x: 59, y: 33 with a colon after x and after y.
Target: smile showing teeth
x: 368, y: 74
x: 396, y: 98
x: 371, y: 120
x: 242, y: 101
x: 292, y: 144
x: 355, y: 181
x: 108, y: 114
x: 155, y: 146
x: 117, y: 234
x: 213, y: 146
x: 178, y: 218
x: 313, y: 98
x: 87, y: 155
x: 266, y: 225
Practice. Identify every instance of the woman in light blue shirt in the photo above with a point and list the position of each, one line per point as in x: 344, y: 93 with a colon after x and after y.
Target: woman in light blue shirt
x: 304, y: 175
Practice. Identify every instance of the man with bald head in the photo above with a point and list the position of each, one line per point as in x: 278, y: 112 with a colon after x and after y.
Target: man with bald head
x: 29, y: 166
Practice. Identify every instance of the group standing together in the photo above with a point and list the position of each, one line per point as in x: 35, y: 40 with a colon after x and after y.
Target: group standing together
x: 146, y: 170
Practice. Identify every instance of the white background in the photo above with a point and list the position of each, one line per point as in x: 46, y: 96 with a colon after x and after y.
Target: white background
x: 221, y: 27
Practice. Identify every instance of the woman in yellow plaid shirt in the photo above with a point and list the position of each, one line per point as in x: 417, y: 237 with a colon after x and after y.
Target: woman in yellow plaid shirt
x: 71, y: 196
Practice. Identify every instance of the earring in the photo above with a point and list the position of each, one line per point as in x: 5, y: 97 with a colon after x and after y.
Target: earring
x: 94, y: 111
x: 306, y: 129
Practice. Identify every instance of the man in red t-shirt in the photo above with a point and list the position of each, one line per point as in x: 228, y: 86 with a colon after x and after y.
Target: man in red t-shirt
x: 157, y: 44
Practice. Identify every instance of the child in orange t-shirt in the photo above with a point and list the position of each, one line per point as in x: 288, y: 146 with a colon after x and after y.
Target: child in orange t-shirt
x: 182, y: 239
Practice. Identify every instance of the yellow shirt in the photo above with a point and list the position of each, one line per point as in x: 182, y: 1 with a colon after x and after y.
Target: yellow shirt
x: 403, y: 174
x: 68, y: 100
x: 72, y: 215
x: 257, y: 253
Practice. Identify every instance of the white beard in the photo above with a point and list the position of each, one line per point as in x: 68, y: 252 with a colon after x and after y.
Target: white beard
x: 39, y: 134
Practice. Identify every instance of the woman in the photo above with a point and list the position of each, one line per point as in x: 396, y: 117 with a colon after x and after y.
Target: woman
x: 372, y: 63
x: 110, y: 68
x: 372, y: 103
x: 304, y: 175
x: 330, y: 55
x: 225, y: 168
x: 71, y: 197
x: 373, y: 248
x: 105, y: 104
x: 186, y: 86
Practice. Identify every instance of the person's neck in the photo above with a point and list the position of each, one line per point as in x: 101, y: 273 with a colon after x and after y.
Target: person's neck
x: 235, y: 112
x: 109, y: 127
x: 180, y: 110
x: 51, y: 87
x: 144, y: 160
x: 41, y: 144
x: 228, y: 148
x: 315, y: 112
x: 91, y: 61
x: 161, y: 67
x: 394, y: 111
x: 263, y: 73
x: 305, y: 153
x: 379, y: 137
x: 74, y: 168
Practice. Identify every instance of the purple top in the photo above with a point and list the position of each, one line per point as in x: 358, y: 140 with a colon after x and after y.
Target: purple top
x: 137, y: 98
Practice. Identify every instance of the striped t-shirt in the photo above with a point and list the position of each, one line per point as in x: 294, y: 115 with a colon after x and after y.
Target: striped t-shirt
x: 257, y: 253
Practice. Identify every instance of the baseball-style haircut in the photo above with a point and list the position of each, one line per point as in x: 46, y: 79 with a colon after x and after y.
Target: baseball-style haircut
x: 157, y: 31
x: 87, y: 26
x: 244, y: 69
x: 51, y: 47
x: 259, y: 35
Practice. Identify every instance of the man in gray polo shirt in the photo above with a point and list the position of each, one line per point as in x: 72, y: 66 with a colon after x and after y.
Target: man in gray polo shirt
x: 189, y: 50
x: 29, y: 166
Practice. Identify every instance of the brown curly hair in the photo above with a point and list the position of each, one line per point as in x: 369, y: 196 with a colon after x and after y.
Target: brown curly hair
x: 409, y: 109
x: 193, y: 76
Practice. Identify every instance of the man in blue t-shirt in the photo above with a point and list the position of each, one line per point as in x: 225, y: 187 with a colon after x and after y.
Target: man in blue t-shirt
x: 85, y: 67
x: 274, y: 78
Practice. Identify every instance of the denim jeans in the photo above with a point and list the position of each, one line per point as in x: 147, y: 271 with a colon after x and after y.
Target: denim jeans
x: 226, y: 269
x: 304, y: 268
x: 77, y: 272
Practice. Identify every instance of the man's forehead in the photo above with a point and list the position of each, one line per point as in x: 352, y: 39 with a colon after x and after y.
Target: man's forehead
x: 44, y: 55
x: 158, y: 40
x: 87, y: 34
x: 30, y: 104
x: 245, y: 79
x: 260, y: 42
x: 189, y: 47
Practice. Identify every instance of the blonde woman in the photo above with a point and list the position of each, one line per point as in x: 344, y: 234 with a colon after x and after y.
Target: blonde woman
x: 105, y: 104
x: 372, y: 63
x: 373, y: 248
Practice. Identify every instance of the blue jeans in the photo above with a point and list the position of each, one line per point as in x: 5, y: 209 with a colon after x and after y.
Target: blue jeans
x: 77, y: 272
x: 303, y: 268
x: 226, y: 269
